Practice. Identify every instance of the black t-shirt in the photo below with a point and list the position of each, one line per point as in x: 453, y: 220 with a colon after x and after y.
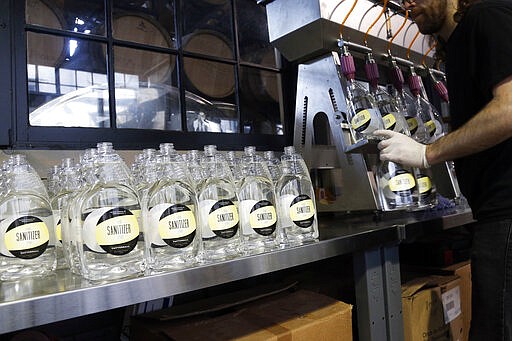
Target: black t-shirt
x: 480, y: 57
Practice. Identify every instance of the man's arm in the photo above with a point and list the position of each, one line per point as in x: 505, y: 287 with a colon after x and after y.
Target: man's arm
x: 492, y: 125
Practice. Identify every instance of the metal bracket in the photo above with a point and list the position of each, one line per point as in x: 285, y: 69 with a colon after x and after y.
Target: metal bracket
x: 363, y: 146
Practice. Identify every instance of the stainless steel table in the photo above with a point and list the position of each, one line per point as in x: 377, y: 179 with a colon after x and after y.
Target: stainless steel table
x: 38, y: 301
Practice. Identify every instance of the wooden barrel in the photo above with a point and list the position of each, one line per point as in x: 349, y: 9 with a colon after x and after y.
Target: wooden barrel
x: 43, y: 49
x: 213, y: 79
x: 259, y: 84
x: 150, y: 66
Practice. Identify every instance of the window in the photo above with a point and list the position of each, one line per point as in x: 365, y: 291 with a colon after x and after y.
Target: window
x: 138, y: 73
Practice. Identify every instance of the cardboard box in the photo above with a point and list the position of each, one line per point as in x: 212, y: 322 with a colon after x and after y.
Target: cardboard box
x: 431, y: 309
x: 463, y: 270
x: 301, y: 315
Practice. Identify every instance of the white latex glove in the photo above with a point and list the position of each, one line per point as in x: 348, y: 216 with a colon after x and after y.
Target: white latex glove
x: 401, y: 149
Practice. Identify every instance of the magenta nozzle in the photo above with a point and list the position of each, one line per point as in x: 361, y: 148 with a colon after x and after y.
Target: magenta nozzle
x: 347, y: 66
x: 397, y: 78
x: 442, y: 91
x: 415, y: 84
x: 372, y: 73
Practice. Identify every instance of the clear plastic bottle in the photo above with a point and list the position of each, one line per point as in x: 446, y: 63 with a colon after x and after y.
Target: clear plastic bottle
x: 363, y: 114
x: 392, y: 117
x: 148, y: 175
x: 297, y: 215
x: 193, y: 160
x: 442, y: 92
x: 168, y: 149
x: 218, y: 208
x: 26, y: 224
x: 427, y: 193
x: 432, y: 120
x: 234, y: 166
x: 3, y: 172
x: 273, y: 164
x: 417, y: 128
x: 169, y: 216
x: 70, y: 216
x: 258, y: 215
x: 113, y: 245
x: 424, y: 109
x: 406, y: 104
x: 135, y: 168
x: 146, y: 170
x: 52, y: 181
x: 69, y: 185
x: 435, y: 121
x: 396, y: 186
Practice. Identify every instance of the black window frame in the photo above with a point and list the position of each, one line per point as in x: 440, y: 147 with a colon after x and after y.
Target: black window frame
x: 17, y: 133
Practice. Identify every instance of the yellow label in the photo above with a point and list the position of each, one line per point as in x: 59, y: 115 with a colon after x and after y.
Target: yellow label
x: 58, y: 231
x: 136, y: 213
x: 389, y: 121
x: 57, y: 226
x: 424, y: 184
x: 302, y: 210
x: 412, y: 123
x: 177, y: 225
x: 27, y: 236
x: 431, y: 127
x: 117, y: 230
x: 360, y: 119
x: 223, y: 218
x: 401, y: 182
x: 263, y: 217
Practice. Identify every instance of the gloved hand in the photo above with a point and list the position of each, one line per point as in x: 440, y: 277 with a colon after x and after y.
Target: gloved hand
x: 401, y: 149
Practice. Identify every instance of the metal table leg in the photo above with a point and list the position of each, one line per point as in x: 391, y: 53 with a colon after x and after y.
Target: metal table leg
x: 393, y: 293
x: 378, y: 294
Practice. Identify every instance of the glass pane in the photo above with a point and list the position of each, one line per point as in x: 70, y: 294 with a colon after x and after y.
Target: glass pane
x: 148, y: 66
x: 253, y: 37
x: 212, y: 80
x: 70, y: 15
x: 211, y: 84
x: 48, y: 50
x: 85, y: 107
x: 208, y: 28
x: 148, y: 106
x: 146, y: 93
x: 228, y: 117
x: 260, y: 101
x: 208, y: 116
x: 46, y: 79
x: 145, y: 22
x: 67, y: 82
